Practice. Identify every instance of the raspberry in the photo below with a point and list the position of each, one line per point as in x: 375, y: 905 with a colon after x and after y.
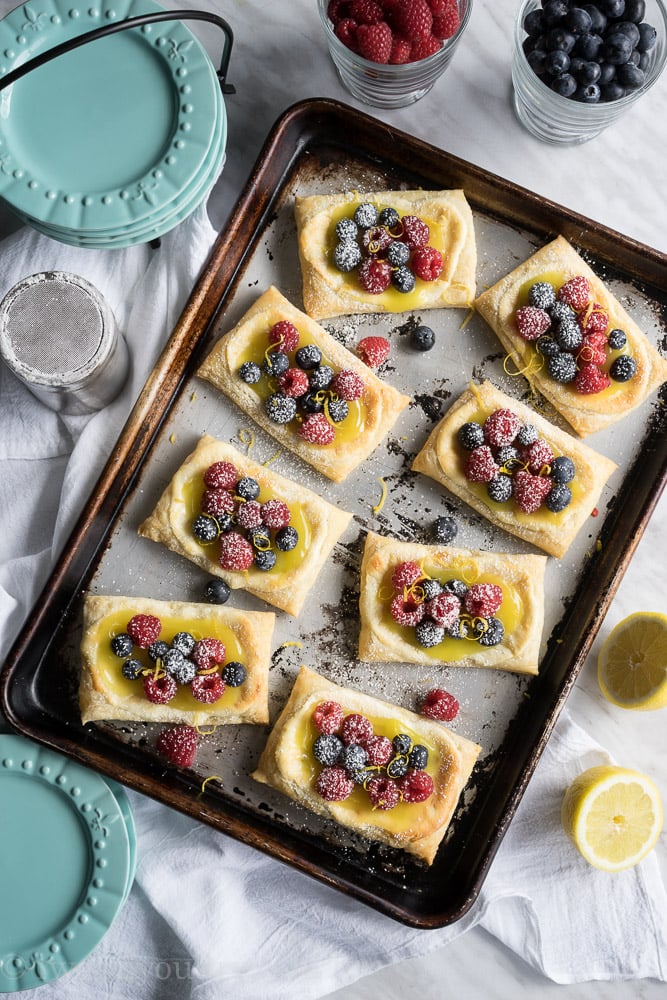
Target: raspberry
x: 379, y: 750
x: 413, y: 19
x: 427, y: 261
x: 356, y: 729
x: 346, y: 32
x: 483, y: 599
x: 316, y: 429
x: 415, y: 232
x: 481, y: 466
x: 217, y: 502
x: 208, y: 688
x: 446, y: 22
x: 406, y: 612
x: 405, y: 574
x: 366, y: 12
x: 348, y: 385
x: 178, y: 745
x: 334, y: 784
x: 440, y: 704
x: 576, y: 292
x: 444, y: 609
x: 538, y: 455
x: 160, y: 690
x: 208, y: 653
x: 416, y: 786
x: 374, y: 42
x: 530, y: 491
x: 144, y: 629
x: 422, y: 48
x: 236, y: 552
x: 400, y: 51
x: 501, y: 428
x: 249, y: 514
x: 373, y: 351
x: 284, y: 336
x: 328, y: 717
x: 597, y: 321
x: 376, y: 239
x: 337, y: 9
x: 275, y: 514
x: 591, y: 379
x: 593, y: 350
x: 532, y: 322
x: 294, y: 382
x: 374, y: 275
x: 383, y: 793
x: 221, y: 476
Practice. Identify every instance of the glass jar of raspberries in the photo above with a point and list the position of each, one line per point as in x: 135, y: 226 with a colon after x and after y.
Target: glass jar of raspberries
x: 389, y: 53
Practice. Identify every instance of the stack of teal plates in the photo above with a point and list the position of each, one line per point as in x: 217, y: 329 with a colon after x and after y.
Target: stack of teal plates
x: 67, y: 862
x: 116, y: 141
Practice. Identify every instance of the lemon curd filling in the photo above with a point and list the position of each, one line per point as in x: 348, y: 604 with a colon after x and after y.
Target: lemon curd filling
x: 109, y: 665
x: 192, y: 494
x: 391, y: 300
x: 347, y: 430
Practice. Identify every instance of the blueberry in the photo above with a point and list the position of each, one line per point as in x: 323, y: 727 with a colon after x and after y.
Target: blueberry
x: 644, y: 61
x: 630, y: 76
x: 403, y: 280
x: 542, y: 295
x: 562, y: 469
x: 557, y: 62
x: 398, y: 253
x: 545, y: 344
x: 630, y: 29
x: 612, y: 8
x: 401, y: 743
x: 397, y: 767
x: 623, y: 368
x: 589, y: 72
x: 647, y: 37
x: 184, y: 642
x: 506, y: 454
x: 527, y: 435
x: 459, y: 630
x: 617, y: 49
x: 569, y: 335
x: 157, y: 650
x: 470, y: 436
x: 588, y: 45
x: 612, y: 91
x: 217, y: 592
x: 533, y: 22
x: 445, y: 530
x: 607, y: 73
x: 287, y: 539
x: 561, y: 311
x: 389, y: 217
x: 578, y: 20
x: 346, y: 230
x: 259, y: 537
x: 308, y: 357
x: 493, y: 634
x: 616, y: 339
x: 588, y: 93
x: 560, y: 39
x: 554, y: 11
x: 250, y: 373
x: 338, y: 410
x: 347, y: 255
x: 184, y: 672
x: 428, y: 633
x: 562, y: 368
x: 598, y: 19
x: 321, y: 378
x: 366, y: 215
x: 418, y: 757
x: 327, y: 748
x: 131, y: 669
x: 559, y: 497
x: 500, y: 488
x: 422, y: 338
x: 276, y: 363
x: 122, y: 645
x: 205, y: 528
x: 280, y: 409
x: 247, y: 488
x: 234, y: 673
x: 536, y: 61
x: 458, y: 588
x: 265, y: 559
x: 310, y: 402
x: 353, y: 757
x: 173, y: 660
x: 431, y: 588
x: 564, y: 84
x: 634, y: 10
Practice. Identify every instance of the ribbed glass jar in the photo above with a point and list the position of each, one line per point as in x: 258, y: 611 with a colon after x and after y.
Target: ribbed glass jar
x: 556, y: 119
x: 386, y: 86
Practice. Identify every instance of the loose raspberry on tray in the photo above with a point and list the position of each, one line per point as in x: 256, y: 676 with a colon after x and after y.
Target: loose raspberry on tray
x: 441, y: 705
x: 373, y: 351
x: 178, y: 745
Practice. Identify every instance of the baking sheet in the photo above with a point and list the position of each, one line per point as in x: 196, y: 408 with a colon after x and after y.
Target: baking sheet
x: 322, y: 147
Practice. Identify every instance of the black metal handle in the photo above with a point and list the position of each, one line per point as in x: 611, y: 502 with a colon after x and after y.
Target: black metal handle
x: 132, y: 22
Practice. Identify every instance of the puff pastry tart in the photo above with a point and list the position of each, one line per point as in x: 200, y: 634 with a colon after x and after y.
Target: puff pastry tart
x: 168, y: 661
x: 248, y: 525
x: 303, y: 387
x: 389, y: 251
x: 572, y: 339
x: 460, y: 607
x: 378, y: 769
x: 515, y: 467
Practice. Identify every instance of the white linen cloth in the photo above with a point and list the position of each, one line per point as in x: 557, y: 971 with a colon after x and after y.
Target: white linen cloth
x: 209, y: 918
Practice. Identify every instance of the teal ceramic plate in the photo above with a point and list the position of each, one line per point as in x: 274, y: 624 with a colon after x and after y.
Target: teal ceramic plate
x: 111, y: 132
x: 64, y: 866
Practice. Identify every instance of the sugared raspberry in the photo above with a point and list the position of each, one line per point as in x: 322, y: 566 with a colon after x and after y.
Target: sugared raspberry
x: 316, y: 429
x: 406, y: 611
x: 413, y: 19
x: 249, y: 514
x: 236, y: 552
x: 383, y: 793
x: 379, y: 750
x: 160, y: 690
x: 178, y: 745
x: 373, y: 351
x: 284, y: 335
x: 294, y: 382
x: 416, y: 786
x: 348, y: 385
x: 405, y: 574
x: 334, y: 783
x: 446, y: 22
x: 209, y: 653
x: 440, y: 704
x: 596, y: 321
x: 532, y: 322
x: 375, y: 240
x: 530, y: 491
x: 481, y: 466
x: 221, y: 476
x: 208, y: 688
x: 374, y: 42
x: 444, y: 609
x: 346, y: 31
x: 483, y: 599
x: 427, y: 261
x: 216, y: 502
x: 328, y: 717
x: 366, y: 11
x: 143, y: 630
x: 422, y: 48
x: 538, y: 455
x: 593, y: 350
x: 501, y: 427
x: 576, y: 292
x: 401, y: 49
x: 275, y: 514
x: 415, y: 232
x: 591, y: 379
x: 374, y: 275
x: 356, y: 729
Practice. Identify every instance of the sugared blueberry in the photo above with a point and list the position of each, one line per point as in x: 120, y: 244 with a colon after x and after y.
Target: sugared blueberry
x: 500, y: 488
x: 265, y: 559
x: 623, y: 368
x: 471, y: 435
x: 558, y: 498
x: 287, y: 539
x: 308, y: 357
x: 445, y: 529
x: 250, y: 373
x: 234, y: 673
x: 562, y: 469
x: 122, y: 645
x: 617, y: 339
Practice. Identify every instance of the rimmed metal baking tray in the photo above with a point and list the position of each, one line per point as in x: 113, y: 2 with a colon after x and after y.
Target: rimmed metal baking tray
x: 321, y: 147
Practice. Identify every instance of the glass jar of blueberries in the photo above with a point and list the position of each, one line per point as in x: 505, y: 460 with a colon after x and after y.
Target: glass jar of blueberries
x: 577, y: 69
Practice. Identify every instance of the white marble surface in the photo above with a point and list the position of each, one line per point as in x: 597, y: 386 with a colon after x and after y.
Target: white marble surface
x: 279, y: 58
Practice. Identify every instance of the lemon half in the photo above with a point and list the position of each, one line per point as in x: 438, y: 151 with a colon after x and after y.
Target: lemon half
x: 632, y: 665
x: 613, y: 816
